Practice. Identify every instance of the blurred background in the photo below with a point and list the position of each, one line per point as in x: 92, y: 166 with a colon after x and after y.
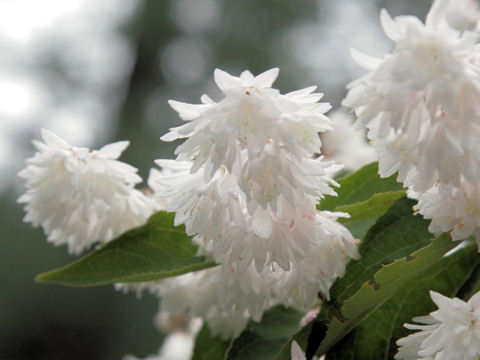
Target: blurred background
x: 100, y: 71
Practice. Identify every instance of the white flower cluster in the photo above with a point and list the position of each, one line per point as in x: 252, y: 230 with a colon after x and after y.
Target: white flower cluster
x: 421, y: 107
x: 246, y: 183
x: 452, y: 332
x: 80, y: 197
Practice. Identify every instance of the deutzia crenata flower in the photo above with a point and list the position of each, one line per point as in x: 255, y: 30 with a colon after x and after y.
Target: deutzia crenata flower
x: 246, y: 185
x: 251, y: 115
x: 452, y: 209
x: 80, y: 197
x: 284, y: 237
x: 205, y: 294
x: 346, y: 145
x: 421, y: 102
x: 452, y: 332
x: 232, y: 291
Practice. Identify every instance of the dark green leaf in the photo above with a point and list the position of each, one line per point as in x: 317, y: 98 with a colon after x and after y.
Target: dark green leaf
x: 261, y: 341
x: 208, y: 347
x: 471, y: 286
x: 365, y: 196
x: 375, y: 337
x: 153, y: 251
x: 388, y: 281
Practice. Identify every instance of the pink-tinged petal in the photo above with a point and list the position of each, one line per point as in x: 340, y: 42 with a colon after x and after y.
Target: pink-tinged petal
x: 114, y: 150
x: 297, y: 353
x: 226, y: 81
x: 308, y: 318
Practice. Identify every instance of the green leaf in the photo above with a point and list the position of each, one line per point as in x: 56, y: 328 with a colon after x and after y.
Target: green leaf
x: 360, y: 186
x: 208, y: 347
x: 393, y: 240
x: 365, y: 196
x: 153, y: 251
x: 261, y: 341
x: 395, y: 235
x: 371, y: 208
x: 375, y: 337
x: 471, y: 286
x: 385, y: 284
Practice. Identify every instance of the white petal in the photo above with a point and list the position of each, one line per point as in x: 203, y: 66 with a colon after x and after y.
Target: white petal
x: 226, y: 81
x: 267, y: 78
x: 186, y: 111
x: 262, y: 224
x: 365, y: 61
x: 52, y: 139
x: 113, y: 150
x: 437, y: 14
x: 389, y: 26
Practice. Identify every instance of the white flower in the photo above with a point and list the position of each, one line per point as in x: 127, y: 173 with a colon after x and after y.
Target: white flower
x: 79, y: 196
x: 232, y: 291
x: 276, y: 176
x: 324, y: 260
x: 452, y: 332
x: 226, y: 296
x: 250, y: 115
x: 346, y: 145
x: 199, y: 294
x: 452, y: 209
x: 243, y: 291
x: 154, y: 188
x: 420, y: 103
x: 195, y: 202
x: 222, y: 297
x: 246, y: 184
x: 239, y: 235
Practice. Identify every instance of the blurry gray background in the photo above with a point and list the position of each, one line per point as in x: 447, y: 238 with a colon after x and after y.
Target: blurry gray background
x: 101, y: 71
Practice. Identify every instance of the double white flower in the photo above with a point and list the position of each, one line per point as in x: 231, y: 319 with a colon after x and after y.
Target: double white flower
x: 421, y: 106
x: 246, y: 182
x: 81, y: 197
x: 451, y: 332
